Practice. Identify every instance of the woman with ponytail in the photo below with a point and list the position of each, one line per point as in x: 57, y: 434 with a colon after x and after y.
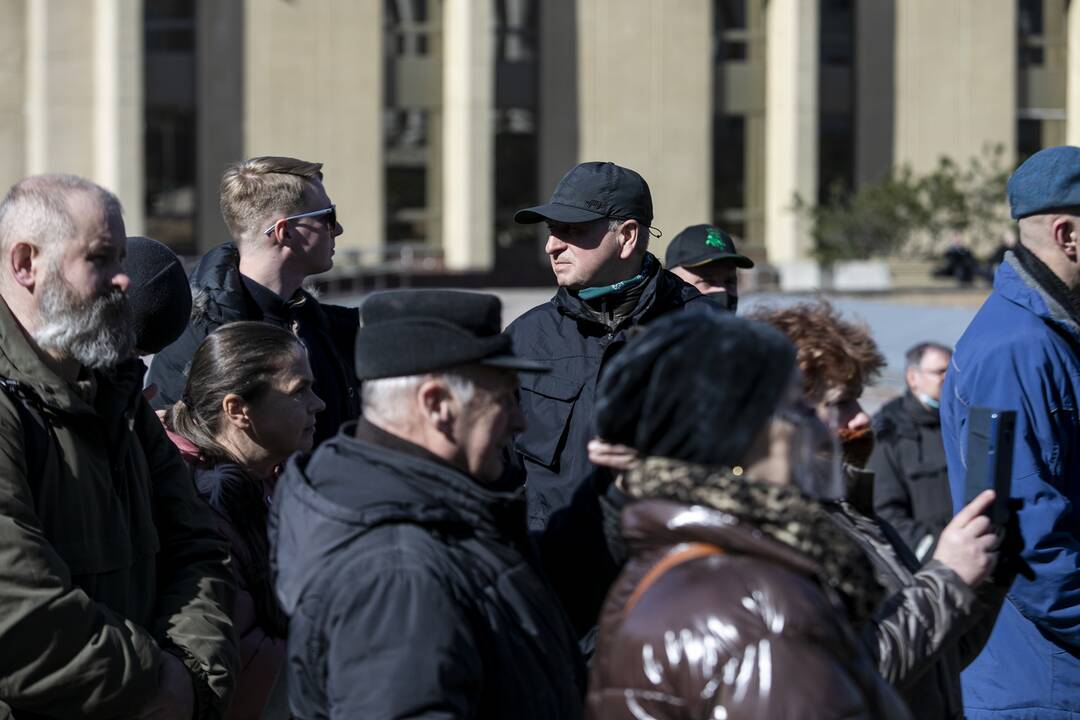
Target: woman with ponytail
x: 248, y: 405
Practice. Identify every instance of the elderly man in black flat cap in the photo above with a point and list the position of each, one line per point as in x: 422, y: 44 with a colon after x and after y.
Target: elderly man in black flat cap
x: 402, y: 562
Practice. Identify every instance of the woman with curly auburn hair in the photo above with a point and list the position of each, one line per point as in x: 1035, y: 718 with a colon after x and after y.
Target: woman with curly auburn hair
x: 924, y: 631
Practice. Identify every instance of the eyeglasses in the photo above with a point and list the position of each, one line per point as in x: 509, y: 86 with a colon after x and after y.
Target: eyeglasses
x: 330, y: 213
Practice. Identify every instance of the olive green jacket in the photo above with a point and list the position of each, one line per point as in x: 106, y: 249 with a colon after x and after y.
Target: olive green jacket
x: 108, y: 557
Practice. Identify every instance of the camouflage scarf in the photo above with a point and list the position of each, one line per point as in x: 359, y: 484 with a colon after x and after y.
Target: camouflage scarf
x: 781, y: 512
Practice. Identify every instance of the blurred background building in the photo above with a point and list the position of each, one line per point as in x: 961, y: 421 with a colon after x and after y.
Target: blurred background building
x: 436, y: 119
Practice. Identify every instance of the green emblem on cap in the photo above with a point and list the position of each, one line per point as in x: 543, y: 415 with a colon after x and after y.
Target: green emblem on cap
x: 714, y: 238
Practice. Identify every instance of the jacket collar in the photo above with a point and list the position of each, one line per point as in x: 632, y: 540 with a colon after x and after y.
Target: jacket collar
x: 221, y: 294
x: 777, y: 522
x: 919, y: 413
x: 1016, y: 284
x: 656, y: 290
x: 392, y: 480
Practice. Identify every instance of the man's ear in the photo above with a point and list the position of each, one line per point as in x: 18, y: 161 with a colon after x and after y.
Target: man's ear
x: 628, y: 233
x: 1065, y: 231
x: 234, y: 410
x: 438, y: 405
x: 25, y: 262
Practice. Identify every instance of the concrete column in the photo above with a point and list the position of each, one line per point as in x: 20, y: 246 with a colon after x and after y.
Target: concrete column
x: 334, y: 117
x: 12, y: 91
x: 84, y: 95
x: 955, y: 80
x: 468, y: 149
x: 646, y: 99
x: 1072, y: 75
x: 118, y: 105
x: 791, y: 125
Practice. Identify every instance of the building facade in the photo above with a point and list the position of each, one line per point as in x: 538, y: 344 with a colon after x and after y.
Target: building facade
x: 436, y: 119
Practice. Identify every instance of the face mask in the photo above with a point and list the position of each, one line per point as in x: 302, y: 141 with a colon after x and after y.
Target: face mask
x: 929, y: 401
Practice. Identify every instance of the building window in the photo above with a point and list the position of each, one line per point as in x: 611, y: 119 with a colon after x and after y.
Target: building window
x: 836, y: 97
x: 170, y: 149
x: 1042, y: 69
x: 412, y: 104
x: 739, y: 119
x: 516, y: 133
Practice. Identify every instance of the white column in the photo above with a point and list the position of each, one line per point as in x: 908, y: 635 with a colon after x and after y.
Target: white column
x: 13, y: 27
x: 325, y: 57
x: 118, y: 105
x: 1072, y: 106
x: 467, y: 134
x: 791, y: 125
x: 646, y: 100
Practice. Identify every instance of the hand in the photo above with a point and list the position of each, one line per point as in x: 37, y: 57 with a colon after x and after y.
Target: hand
x: 175, y: 696
x: 968, y: 544
x: 616, y: 457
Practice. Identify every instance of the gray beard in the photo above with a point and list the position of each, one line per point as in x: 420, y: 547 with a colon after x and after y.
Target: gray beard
x: 97, y: 334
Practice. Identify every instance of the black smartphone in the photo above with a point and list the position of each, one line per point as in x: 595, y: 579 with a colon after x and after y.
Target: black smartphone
x: 991, y: 436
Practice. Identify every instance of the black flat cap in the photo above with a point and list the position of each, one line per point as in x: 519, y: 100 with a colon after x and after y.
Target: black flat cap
x: 411, y: 332
x: 159, y: 294
x: 702, y: 244
x: 594, y: 190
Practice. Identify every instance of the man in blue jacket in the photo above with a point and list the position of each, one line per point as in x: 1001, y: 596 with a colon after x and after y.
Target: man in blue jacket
x: 1022, y: 353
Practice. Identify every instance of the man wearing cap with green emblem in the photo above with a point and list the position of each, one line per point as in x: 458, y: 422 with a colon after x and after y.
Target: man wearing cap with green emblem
x: 705, y: 257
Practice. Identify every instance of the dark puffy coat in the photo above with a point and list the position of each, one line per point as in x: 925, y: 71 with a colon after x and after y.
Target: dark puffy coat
x: 551, y: 454
x: 911, y: 476
x: 410, y: 593
x: 931, y: 624
x: 752, y: 632
x: 241, y: 504
x: 219, y: 297
x: 107, y: 557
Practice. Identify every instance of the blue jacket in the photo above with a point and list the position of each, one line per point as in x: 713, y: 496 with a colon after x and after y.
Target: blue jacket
x: 1020, y: 353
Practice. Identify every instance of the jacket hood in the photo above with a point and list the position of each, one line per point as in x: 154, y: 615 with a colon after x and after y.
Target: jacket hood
x: 217, y: 292
x: 323, y: 503
x: 1017, y: 285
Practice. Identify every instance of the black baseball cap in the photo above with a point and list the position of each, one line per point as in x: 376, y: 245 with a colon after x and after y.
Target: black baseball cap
x: 594, y: 190
x: 411, y: 332
x: 702, y: 244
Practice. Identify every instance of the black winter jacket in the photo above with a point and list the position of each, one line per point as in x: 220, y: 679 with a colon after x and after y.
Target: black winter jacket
x: 220, y: 296
x: 550, y: 455
x: 911, y: 486
x: 410, y: 592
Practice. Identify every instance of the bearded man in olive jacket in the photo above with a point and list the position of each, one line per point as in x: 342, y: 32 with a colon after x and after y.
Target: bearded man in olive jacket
x: 114, y: 586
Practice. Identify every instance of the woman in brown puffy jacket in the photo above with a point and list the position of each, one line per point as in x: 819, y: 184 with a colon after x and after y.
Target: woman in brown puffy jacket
x: 736, y: 599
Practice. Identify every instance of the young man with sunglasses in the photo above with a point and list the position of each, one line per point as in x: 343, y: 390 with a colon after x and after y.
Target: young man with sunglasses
x: 283, y: 225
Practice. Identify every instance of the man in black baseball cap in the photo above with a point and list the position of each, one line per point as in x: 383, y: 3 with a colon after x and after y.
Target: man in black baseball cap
x: 400, y: 559
x: 705, y: 257
x: 599, y: 219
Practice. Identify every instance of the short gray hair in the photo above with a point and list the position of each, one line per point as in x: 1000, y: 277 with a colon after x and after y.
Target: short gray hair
x: 35, y: 209
x: 387, y: 399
